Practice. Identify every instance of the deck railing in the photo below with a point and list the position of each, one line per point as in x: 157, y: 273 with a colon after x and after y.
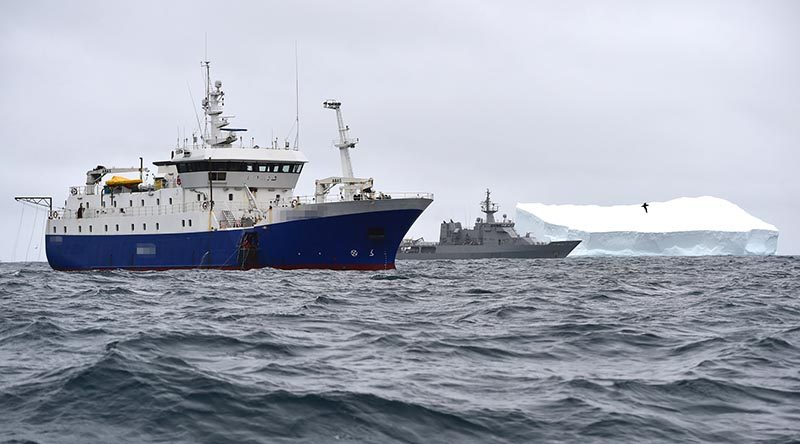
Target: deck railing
x: 155, y: 210
x: 330, y: 198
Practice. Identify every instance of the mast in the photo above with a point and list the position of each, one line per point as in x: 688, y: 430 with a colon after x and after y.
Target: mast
x: 345, y: 143
x: 489, y: 208
x: 207, y: 81
x: 296, y: 100
x: 212, y: 107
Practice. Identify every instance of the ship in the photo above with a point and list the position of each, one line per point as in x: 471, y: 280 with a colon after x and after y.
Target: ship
x: 487, y: 239
x: 216, y: 203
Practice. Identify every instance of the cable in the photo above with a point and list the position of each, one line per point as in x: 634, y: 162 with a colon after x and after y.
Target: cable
x: 33, y: 229
x: 19, y: 230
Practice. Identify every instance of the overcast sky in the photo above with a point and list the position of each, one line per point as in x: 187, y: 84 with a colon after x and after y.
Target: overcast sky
x: 582, y: 102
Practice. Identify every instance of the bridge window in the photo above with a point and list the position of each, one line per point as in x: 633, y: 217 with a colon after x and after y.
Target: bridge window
x: 217, y: 176
x: 222, y: 166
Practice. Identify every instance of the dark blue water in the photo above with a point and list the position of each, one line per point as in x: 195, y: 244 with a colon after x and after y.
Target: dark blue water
x: 582, y: 350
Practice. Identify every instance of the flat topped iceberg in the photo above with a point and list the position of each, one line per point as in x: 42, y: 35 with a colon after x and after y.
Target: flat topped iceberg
x: 687, y: 226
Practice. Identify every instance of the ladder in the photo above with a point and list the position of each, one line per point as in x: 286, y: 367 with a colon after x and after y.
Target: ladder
x: 228, y: 219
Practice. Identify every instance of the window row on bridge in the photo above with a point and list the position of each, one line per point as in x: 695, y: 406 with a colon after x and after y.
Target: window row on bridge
x: 190, y: 167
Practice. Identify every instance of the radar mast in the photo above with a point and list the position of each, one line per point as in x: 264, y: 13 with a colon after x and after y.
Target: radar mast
x: 489, y: 208
x: 213, y: 104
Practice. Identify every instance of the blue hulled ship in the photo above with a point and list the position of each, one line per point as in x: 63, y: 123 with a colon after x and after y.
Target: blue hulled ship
x: 217, y: 205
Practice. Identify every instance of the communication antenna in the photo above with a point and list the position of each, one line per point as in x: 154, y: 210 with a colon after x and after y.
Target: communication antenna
x: 296, y: 99
x: 205, y: 63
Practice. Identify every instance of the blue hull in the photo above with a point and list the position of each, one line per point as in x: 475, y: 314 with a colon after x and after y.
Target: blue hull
x: 363, y: 241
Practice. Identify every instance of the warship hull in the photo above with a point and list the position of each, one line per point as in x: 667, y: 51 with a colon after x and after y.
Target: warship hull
x: 556, y: 249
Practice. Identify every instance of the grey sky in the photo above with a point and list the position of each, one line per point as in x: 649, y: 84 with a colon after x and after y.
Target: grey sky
x: 557, y: 102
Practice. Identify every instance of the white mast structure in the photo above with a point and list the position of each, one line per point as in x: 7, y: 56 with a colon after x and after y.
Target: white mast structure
x: 212, y: 106
x: 345, y: 143
x: 352, y: 187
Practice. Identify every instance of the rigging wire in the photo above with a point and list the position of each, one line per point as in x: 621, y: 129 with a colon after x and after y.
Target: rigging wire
x: 19, y: 230
x: 196, y: 116
x: 40, y: 247
x: 33, y: 229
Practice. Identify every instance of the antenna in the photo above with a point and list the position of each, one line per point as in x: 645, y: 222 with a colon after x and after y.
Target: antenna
x: 194, y: 107
x: 205, y: 63
x: 296, y: 99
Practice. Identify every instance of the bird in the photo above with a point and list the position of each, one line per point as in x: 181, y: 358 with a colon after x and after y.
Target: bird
x: 644, y: 205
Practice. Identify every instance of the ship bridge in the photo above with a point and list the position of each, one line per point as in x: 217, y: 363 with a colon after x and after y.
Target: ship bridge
x: 253, y: 168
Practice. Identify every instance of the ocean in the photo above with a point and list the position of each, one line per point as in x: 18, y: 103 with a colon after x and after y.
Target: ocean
x: 647, y: 349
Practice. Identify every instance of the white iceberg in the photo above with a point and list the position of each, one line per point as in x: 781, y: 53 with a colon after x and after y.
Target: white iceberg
x: 687, y: 226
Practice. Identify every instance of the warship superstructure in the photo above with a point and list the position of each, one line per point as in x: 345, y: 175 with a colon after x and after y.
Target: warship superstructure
x: 487, y: 239
x: 218, y: 204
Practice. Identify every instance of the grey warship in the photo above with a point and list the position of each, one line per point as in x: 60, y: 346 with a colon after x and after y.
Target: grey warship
x: 488, y: 239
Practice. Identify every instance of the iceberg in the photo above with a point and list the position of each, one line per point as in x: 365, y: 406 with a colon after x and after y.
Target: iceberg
x: 686, y: 226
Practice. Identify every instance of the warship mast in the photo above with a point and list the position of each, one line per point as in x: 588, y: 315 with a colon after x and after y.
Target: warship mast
x: 489, y: 208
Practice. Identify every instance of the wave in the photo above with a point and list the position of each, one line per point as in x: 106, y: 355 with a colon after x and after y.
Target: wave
x: 583, y: 349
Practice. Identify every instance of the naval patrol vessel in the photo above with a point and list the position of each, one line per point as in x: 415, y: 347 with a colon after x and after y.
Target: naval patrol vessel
x: 488, y: 239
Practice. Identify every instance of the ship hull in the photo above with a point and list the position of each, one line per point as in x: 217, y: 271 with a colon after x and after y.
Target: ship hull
x: 555, y: 249
x: 356, y: 241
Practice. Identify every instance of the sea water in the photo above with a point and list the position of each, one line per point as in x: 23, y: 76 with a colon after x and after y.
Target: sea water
x: 486, y: 351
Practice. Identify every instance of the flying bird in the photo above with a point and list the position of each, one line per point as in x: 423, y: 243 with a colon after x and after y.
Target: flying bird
x: 644, y: 205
